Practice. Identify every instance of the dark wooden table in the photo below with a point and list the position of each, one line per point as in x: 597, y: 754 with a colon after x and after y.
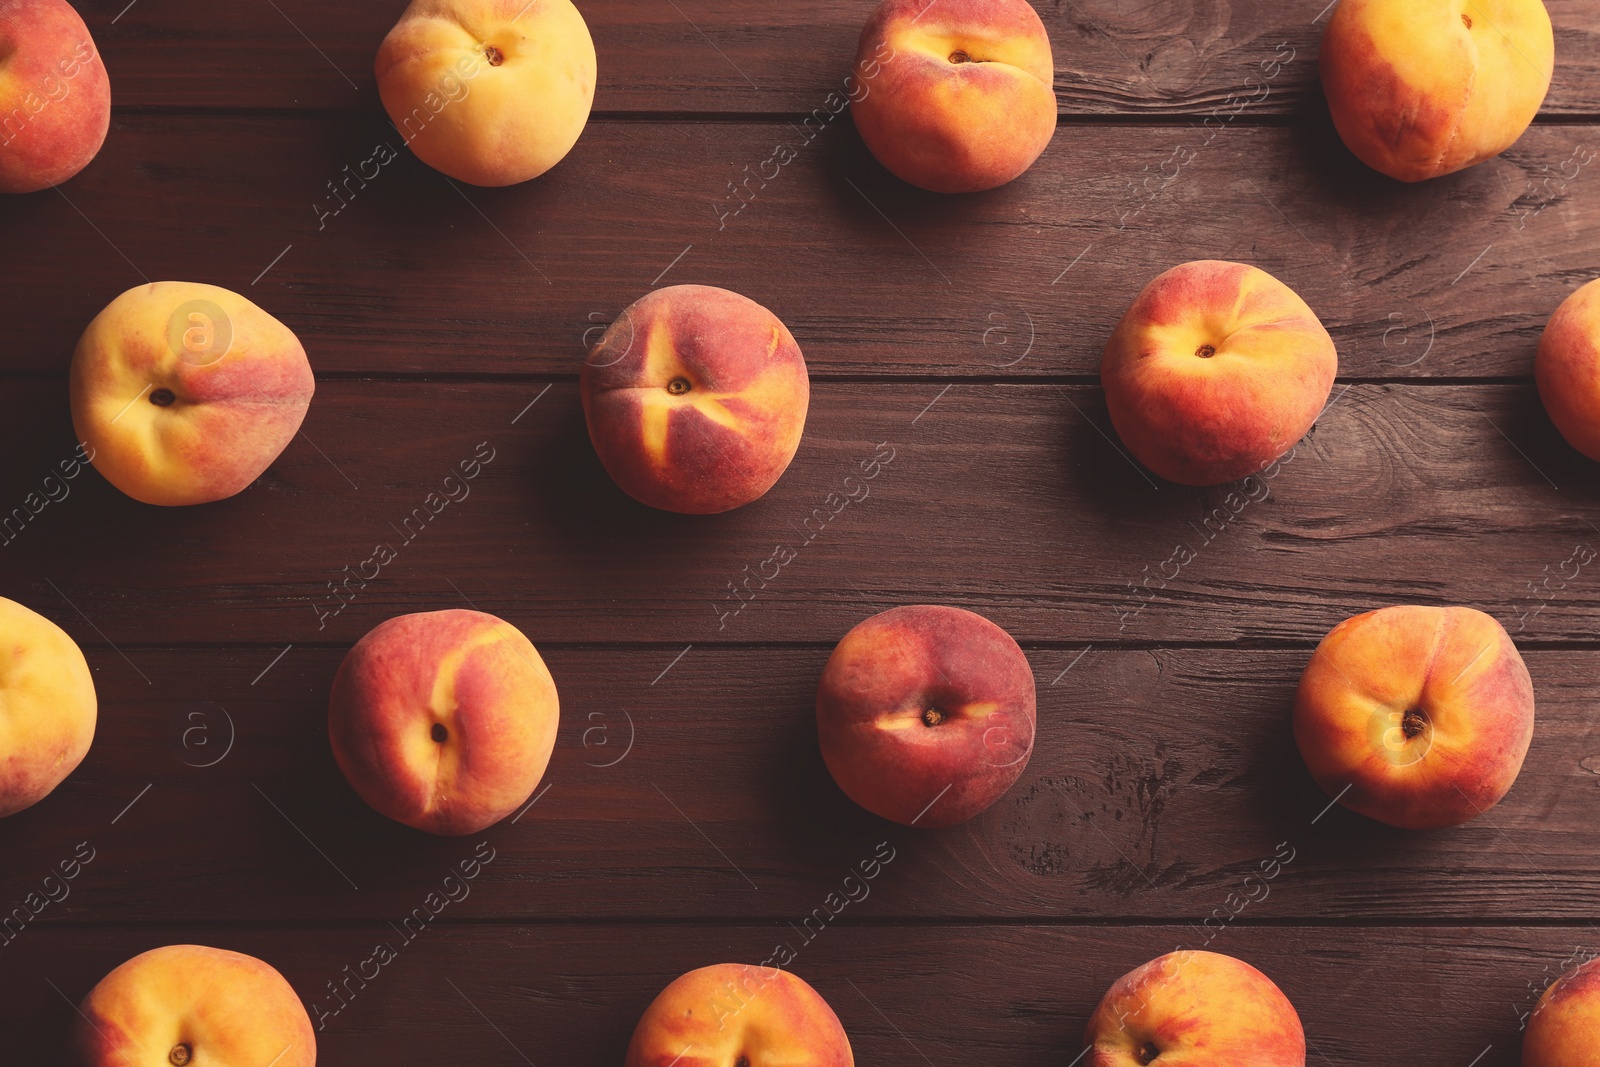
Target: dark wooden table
x: 688, y: 818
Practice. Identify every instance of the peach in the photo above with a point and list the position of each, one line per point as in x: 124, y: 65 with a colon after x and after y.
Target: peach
x: 1564, y: 1027
x: 443, y: 720
x: 1195, y: 1009
x: 188, y: 1004
x: 55, y: 98
x: 731, y: 1015
x: 47, y: 707
x: 926, y: 714
x: 1420, y: 88
x: 696, y: 399
x: 185, y: 393
x: 955, y: 96
x: 493, y: 92
x: 1418, y: 717
x: 1567, y: 369
x: 1215, y: 372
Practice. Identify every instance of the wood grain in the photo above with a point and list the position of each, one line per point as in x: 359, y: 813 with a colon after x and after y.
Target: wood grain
x: 690, y: 786
x: 960, y: 994
x: 1164, y: 59
x: 1013, y: 500
x: 411, y: 276
x: 957, y: 451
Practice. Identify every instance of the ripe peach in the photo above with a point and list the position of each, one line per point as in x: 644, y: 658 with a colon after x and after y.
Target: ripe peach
x: 493, y: 92
x: 55, y: 98
x: 695, y: 398
x: 1564, y: 1027
x: 1420, y: 88
x: 186, y: 393
x: 47, y: 707
x: 1418, y: 717
x: 1568, y: 369
x: 956, y: 96
x: 1215, y: 372
x: 443, y: 720
x: 731, y: 1015
x: 188, y: 1004
x: 1200, y: 1008
x: 926, y: 714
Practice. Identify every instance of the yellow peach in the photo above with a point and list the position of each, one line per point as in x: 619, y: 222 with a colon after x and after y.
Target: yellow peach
x: 443, y: 720
x: 1215, y: 372
x: 1195, y: 1009
x: 47, y: 707
x: 696, y: 399
x: 926, y: 714
x: 55, y: 98
x: 192, y: 1005
x: 955, y: 96
x: 732, y: 1015
x: 1420, y: 88
x: 1564, y: 1027
x: 493, y: 92
x: 1418, y: 717
x: 185, y: 393
x: 1567, y: 369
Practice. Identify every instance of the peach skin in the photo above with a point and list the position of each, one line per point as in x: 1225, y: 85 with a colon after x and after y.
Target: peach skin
x: 731, y: 1015
x: 443, y: 720
x: 1418, y: 717
x: 696, y: 399
x: 1567, y: 369
x: 1215, y: 372
x: 191, y: 1005
x: 1564, y: 1028
x: 926, y: 714
x: 55, y: 98
x: 186, y: 393
x: 1421, y: 88
x: 955, y: 96
x: 47, y: 707
x: 493, y: 92
x: 1195, y: 1009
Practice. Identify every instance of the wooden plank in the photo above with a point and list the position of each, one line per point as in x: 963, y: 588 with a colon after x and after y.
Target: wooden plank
x: 948, y: 995
x: 700, y: 55
x: 690, y: 785
x: 412, y: 276
x: 688, y: 817
x: 1013, y: 500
